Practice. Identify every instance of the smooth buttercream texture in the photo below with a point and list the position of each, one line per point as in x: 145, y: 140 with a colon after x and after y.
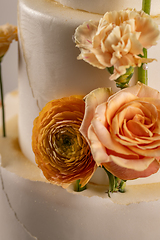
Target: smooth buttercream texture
x: 102, y: 6
x: 46, y: 211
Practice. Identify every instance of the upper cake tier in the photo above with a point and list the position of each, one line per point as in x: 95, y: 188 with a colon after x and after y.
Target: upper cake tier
x: 102, y: 6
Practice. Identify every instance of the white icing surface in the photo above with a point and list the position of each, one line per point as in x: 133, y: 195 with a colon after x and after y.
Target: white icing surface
x: 102, y: 6
x: 33, y: 209
x: 46, y: 211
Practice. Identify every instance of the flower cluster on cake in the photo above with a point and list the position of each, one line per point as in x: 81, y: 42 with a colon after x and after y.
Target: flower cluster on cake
x: 119, y: 132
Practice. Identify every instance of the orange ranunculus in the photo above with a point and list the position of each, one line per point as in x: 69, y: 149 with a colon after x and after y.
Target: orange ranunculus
x: 8, y: 33
x: 117, y: 40
x: 61, y: 151
x: 123, y: 130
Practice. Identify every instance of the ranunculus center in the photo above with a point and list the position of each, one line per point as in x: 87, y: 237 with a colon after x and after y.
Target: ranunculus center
x: 65, y: 142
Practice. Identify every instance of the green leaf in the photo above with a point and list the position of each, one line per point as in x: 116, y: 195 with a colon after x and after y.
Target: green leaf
x: 123, y: 81
x: 110, y: 69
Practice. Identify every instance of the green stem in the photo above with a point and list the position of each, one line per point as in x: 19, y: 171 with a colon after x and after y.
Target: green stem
x: 2, y: 102
x: 115, y: 184
x: 142, y: 72
x: 146, y: 6
x: 78, y: 187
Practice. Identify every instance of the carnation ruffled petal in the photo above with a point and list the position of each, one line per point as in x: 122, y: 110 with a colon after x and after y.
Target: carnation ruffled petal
x: 117, y: 40
x: 85, y: 33
x: 149, y: 30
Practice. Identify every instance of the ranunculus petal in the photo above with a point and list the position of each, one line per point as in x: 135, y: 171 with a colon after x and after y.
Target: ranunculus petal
x: 60, y: 150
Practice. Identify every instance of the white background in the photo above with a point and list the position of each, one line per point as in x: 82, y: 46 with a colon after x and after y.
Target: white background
x: 8, y: 13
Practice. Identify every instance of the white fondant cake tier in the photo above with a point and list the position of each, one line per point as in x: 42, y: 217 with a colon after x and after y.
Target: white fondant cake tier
x: 32, y: 209
x: 102, y: 6
x: 48, y: 66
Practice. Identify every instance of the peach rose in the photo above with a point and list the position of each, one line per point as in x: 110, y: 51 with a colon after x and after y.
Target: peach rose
x: 61, y: 152
x: 117, y: 40
x: 123, y: 130
x: 8, y: 33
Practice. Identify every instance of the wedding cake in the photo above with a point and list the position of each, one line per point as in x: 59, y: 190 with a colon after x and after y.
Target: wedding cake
x: 31, y: 207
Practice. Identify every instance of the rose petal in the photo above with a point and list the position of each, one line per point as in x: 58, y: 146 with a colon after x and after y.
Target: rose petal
x: 138, y: 129
x: 145, y: 91
x: 155, y: 152
x: 133, y: 170
x: 116, y: 101
x: 98, y: 150
x: 107, y: 141
x: 92, y: 100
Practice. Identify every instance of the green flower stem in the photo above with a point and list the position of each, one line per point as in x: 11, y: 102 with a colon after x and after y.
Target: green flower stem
x: 2, y: 102
x: 78, y: 187
x: 142, y: 72
x: 146, y: 6
x: 115, y: 184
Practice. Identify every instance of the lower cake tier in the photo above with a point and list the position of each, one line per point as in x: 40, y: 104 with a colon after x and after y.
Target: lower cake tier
x: 33, y: 209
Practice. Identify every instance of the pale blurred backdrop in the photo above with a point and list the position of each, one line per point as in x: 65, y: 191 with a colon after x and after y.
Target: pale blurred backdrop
x: 8, y: 13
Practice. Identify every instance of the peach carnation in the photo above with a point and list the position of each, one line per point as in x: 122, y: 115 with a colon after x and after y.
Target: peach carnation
x: 61, y: 152
x: 8, y: 33
x: 123, y: 130
x: 117, y: 40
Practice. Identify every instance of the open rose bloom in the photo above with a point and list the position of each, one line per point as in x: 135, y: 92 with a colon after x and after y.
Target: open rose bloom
x: 117, y: 40
x: 61, y: 152
x: 123, y: 130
